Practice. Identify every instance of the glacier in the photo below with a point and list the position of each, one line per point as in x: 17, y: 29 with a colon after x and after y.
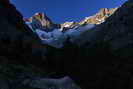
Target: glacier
x: 56, y: 38
x: 75, y: 33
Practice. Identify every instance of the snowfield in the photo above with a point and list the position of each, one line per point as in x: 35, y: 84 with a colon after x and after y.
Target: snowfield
x: 56, y: 38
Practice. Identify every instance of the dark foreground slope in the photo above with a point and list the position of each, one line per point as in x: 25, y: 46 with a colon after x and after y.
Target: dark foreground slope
x: 16, y: 40
x: 19, y: 49
x: 106, y: 62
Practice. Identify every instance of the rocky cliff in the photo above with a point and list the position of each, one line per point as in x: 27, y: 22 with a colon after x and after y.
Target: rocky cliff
x: 42, y: 21
x: 99, y: 17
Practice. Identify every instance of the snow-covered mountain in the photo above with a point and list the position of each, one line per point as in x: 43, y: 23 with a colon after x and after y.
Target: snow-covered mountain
x: 56, y: 37
x: 56, y: 34
x: 68, y: 25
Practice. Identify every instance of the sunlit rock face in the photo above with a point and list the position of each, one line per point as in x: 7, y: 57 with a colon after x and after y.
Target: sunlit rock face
x: 42, y: 21
x: 99, y: 17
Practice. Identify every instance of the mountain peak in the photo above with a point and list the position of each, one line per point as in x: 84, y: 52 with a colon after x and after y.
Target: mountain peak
x: 99, y: 17
x: 41, y: 15
x: 41, y: 21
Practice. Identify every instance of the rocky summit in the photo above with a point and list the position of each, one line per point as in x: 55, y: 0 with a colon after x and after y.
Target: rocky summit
x: 41, y: 21
x: 102, y: 61
x: 99, y: 17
